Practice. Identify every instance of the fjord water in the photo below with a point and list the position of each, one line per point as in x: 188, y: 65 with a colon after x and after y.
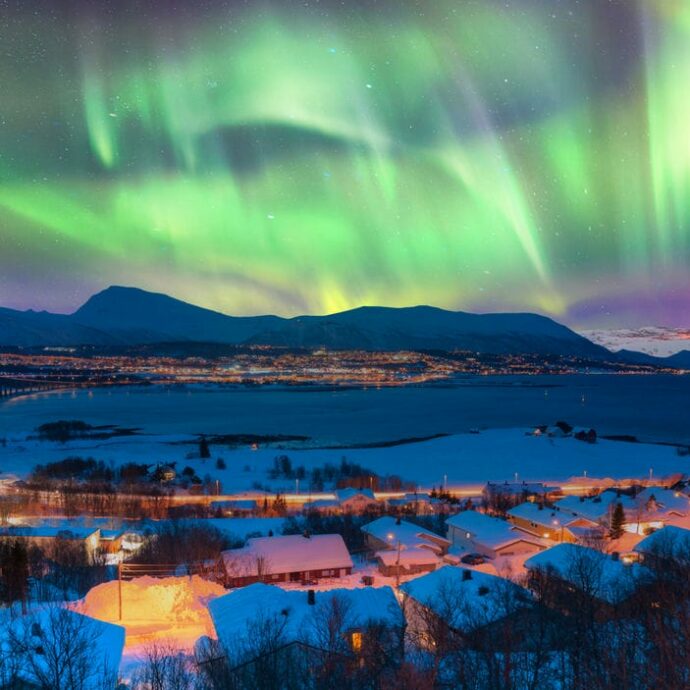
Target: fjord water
x: 652, y: 408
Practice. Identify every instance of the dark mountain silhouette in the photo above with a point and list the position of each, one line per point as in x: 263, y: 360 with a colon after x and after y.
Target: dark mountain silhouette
x: 137, y: 316
x: 130, y: 316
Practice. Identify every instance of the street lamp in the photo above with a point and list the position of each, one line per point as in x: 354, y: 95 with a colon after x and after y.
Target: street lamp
x: 391, y: 538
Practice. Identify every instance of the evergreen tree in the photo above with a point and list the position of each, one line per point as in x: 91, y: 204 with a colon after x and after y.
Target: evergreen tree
x: 204, y: 450
x: 617, y: 521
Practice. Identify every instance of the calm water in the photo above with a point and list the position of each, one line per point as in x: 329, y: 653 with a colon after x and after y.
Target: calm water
x: 650, y: 407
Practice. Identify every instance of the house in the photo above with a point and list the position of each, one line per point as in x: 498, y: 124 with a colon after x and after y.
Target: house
x: 356, y: 500
x: 598, y: 508
x: 387, y: 532
x: 570, y: 574
x: 348, y: 500
x: 60, y: 648
x: 464, y: 602
x: 275, y: 630
x: 549, y: 523
x: 653, y: 507
x: 669, y: 545
x: 292, y: 558
x: 236, y: 508
x: 477, y: 532
x: 49, y: 537
x: 408, y: 561
x: 417, y: 504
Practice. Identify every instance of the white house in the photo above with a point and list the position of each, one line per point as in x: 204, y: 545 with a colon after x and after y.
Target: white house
x: 549, y: 523
x: 477, y: 532
x: 387, y: 532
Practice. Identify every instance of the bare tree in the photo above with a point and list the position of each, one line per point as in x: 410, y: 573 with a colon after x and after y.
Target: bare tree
x: 56, y: 648
x: 164, y: 667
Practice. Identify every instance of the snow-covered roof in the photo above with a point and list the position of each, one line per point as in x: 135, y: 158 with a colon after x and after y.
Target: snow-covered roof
x: 54, y: 627
x: 660, y: 501
x: 413, y: 556
x: 548, y: 517
x: 466, y: 601
x: 48, y: 531
x: 348, y: 493
x: 387, y: 529
x: 235, y: 614
x: 667, y: 541
x: 489, y: 531
x: 597, y: 508
x: 288, y: 554
x: 596, y: 573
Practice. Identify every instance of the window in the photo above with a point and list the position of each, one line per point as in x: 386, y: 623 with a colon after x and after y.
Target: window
x: 356, y: 641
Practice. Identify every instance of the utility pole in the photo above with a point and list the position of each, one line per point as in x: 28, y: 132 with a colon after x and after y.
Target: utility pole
x: 397, y: 569
x: 119, y: 588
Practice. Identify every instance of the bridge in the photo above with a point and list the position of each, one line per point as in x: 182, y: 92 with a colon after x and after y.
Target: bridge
x: 11, y: 387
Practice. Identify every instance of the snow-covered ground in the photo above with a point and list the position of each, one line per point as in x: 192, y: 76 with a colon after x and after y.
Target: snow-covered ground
x: 458, y: 460
x: 172, y: 610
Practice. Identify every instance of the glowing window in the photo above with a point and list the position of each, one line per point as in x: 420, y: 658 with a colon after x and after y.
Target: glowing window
x: 357, y: 641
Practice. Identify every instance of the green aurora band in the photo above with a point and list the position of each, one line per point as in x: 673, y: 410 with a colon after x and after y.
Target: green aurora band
x: 258, y: 159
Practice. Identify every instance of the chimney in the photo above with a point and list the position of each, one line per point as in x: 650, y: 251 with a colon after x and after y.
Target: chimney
x: 614, y: 555
x: 311, y: 597
x: 466, y: 575
x: 397, y: 520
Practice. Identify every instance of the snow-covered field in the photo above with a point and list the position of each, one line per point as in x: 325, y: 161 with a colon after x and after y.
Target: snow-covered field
x: 461, y: 459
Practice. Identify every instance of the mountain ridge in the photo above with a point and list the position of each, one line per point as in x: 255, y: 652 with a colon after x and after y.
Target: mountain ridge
x: 127, y: 315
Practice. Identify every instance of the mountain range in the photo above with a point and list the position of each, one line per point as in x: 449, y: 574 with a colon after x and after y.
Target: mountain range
x: 130, y: 316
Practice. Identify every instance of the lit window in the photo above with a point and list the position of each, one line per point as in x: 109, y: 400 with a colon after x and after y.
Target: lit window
x: 356, y: 641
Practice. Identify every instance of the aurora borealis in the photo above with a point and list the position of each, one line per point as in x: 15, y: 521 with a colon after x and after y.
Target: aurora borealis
x: 259, y: 157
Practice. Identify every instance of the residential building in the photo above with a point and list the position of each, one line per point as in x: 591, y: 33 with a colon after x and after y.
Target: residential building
x: 492, y: 537
x: 465, y: 602
x: 597, y: 508
x: 549, y: 523
x: 292, y: 558
x: 387, y: 532
x: 305, y: 629
x: 568, y: 575
x: 46, y: 536
x: 356, y: 500
x: 668, y: 545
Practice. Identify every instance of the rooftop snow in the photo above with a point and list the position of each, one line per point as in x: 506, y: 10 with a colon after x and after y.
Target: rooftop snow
x: 489, y: 531
x: 669, y: 540
x: 235, y: 614
x: 288, y: 554
x: 589, y: 570
x: 412, y: 556
x: 596, y: 508
x: 386, y: 529
x: 548, y: 517
x: 466, y: 602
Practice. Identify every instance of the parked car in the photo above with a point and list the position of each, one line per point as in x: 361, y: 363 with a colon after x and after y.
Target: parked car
x: 473, y: 559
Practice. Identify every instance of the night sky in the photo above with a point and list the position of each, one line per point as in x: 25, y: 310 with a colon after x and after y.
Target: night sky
x: 308, y: 157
